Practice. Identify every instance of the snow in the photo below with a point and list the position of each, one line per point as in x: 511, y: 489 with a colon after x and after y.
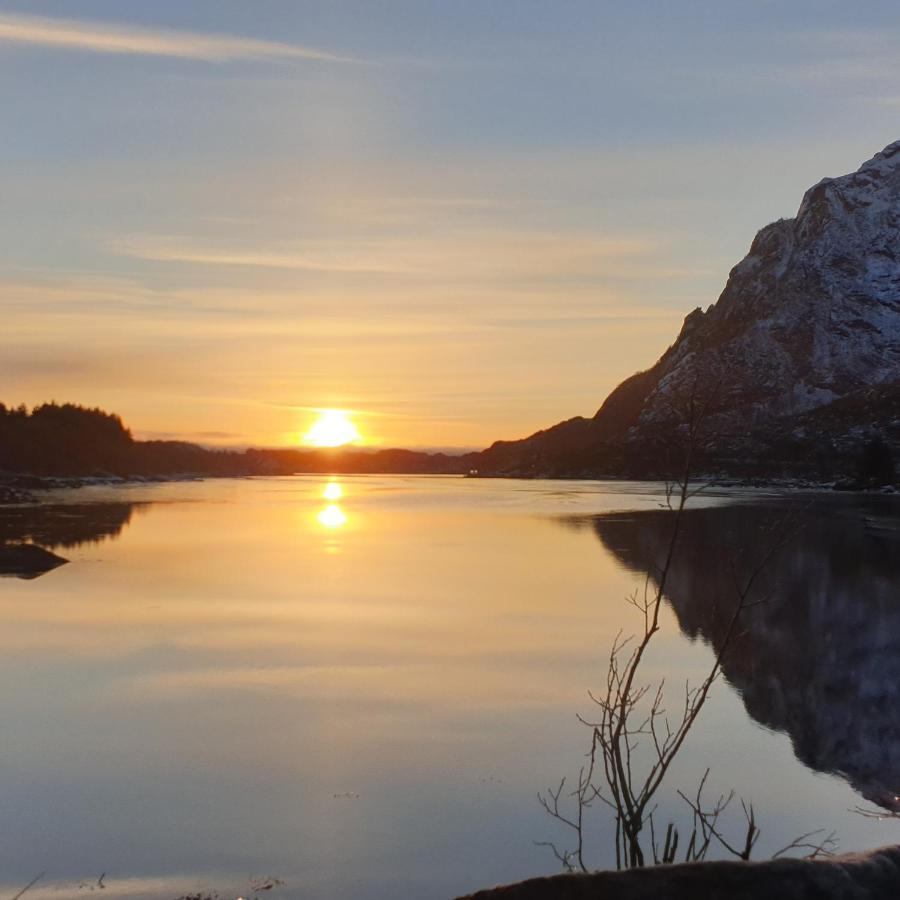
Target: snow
x: 812, y: 313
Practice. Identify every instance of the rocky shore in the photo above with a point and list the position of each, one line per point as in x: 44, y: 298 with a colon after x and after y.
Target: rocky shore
x: 18, y: 488
x: 874, y: 876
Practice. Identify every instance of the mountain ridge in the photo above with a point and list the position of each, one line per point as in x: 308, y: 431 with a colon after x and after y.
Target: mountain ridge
x: 810, y: 317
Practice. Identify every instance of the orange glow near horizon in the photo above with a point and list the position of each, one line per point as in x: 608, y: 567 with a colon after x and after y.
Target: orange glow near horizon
x: 332, y: 428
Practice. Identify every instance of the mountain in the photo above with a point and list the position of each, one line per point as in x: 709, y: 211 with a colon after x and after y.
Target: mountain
x: 797, y: 362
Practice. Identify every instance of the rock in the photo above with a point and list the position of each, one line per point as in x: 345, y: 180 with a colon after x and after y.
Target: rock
x: 9, y: 495
x: 873, y: 875
x: 811, y: 314
x: 27, y: 560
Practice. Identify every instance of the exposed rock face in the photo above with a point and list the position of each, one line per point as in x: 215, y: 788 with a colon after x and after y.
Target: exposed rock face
x: 809, y: 317
x: 812, y: 313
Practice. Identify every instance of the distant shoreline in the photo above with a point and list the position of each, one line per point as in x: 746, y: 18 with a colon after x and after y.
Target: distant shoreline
x: 27, y: 488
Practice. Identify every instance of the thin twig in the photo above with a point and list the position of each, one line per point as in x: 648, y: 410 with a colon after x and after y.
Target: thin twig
x: 30, y: 885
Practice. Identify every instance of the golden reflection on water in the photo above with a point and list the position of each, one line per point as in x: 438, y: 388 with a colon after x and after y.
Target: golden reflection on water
x: 332, y: 517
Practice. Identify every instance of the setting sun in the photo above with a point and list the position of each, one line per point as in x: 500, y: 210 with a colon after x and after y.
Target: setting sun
x: 333, y: 428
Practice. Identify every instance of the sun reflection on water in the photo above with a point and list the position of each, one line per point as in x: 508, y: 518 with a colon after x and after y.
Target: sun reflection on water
x: 332, y: 516
x: 333, y: 491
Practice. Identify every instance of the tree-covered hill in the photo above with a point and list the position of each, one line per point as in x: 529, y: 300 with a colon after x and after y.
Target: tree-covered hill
x: 70, y: 440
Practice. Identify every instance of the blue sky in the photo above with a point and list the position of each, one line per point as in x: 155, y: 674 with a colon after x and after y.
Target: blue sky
x: 463, y: 220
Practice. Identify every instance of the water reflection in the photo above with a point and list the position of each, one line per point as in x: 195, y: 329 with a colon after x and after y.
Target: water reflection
x: 27, y: 531
x: 332, y: 516
x: 65, y: 525
x: 200, y: 701
x: 819, y: 659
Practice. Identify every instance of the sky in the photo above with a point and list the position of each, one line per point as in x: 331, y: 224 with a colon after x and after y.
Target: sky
x: 461, y: 221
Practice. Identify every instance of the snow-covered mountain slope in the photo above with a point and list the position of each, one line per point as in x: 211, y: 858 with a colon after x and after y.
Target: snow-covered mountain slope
x: 812, y: 312
x: 809, y: 317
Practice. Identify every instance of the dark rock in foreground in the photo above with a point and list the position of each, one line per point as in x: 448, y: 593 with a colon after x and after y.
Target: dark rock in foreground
x: 858, y: 876
x: 27, y: 560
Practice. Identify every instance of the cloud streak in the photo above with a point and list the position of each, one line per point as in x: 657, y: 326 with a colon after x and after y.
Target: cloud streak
x: 102, y: 37
x: 484, y: 254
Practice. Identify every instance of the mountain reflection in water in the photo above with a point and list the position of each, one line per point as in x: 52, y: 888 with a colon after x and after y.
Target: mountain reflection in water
x: 819, y: 658
x: 65, y: 525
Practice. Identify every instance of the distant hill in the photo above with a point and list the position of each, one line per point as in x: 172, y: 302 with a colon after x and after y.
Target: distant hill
x: 796, y: 366
x: 70, y: 440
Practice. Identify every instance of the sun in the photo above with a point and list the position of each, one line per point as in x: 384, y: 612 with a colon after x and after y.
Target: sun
x: 333, y: 428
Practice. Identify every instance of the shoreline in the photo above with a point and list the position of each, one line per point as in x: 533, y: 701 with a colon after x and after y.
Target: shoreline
x: 27, y: 489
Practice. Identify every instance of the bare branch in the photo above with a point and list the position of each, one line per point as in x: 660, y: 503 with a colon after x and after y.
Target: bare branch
x: 827, y: 846
x: 30, y: 885
x: 634, y: 737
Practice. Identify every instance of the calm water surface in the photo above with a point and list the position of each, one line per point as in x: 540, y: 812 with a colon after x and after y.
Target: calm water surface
x: 361, y: 693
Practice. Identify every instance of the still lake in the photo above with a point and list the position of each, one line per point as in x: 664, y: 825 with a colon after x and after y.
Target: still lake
x: 361, y: 694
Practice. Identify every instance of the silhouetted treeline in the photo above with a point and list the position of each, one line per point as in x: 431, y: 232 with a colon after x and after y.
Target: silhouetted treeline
x: 63, y: 439
x: 71, y: 440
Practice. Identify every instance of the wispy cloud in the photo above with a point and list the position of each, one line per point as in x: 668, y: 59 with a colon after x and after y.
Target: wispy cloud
x: 360, y: 256
x: 104, y: 37
x: 482, y: 254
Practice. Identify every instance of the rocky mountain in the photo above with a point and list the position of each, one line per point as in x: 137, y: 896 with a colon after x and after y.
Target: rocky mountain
x: 797, y: 362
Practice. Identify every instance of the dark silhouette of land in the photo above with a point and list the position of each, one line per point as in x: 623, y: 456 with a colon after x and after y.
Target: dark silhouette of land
x: 873, y: 875
x: 27, y: 560
x: 70, y: 441
x: 66, y: 440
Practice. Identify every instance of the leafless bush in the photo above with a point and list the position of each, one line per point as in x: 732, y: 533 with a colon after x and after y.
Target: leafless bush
x: 635, y: 738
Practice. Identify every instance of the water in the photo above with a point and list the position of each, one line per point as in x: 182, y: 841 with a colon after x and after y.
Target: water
x: 361, y: 695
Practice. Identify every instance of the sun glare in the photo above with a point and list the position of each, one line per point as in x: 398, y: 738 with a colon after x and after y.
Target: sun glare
x: 333, y: 428
x: 332, y: 516
x: 333, y: 491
